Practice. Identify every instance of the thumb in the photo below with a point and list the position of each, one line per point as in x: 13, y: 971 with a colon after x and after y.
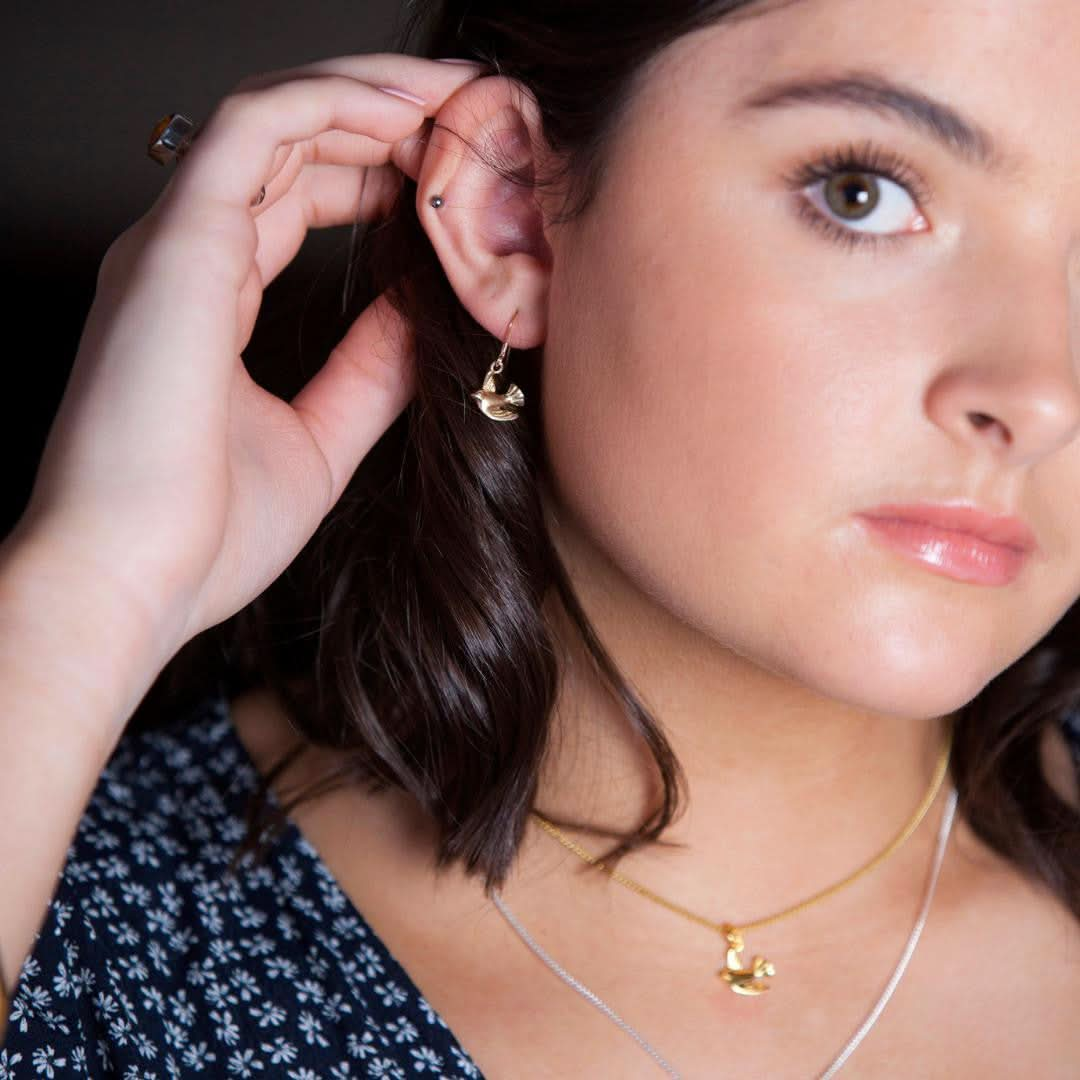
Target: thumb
x: 368, y: 378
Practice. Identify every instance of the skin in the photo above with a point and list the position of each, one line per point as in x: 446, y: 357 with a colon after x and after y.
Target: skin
x: 724, y: 388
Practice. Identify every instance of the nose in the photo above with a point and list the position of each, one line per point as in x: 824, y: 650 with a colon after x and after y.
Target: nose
x: 1014, y: 390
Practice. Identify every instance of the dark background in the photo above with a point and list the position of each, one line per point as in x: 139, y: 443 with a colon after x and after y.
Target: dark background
x: 85, y: 85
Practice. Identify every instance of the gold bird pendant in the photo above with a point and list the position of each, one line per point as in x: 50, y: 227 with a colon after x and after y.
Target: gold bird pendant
x: 744, y: 980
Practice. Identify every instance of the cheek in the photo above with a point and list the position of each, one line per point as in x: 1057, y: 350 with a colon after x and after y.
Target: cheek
x: 689, y: 428
x: 688, y: 389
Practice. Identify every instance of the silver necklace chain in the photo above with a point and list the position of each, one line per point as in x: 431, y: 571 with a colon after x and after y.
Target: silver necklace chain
x: 853, y: 1042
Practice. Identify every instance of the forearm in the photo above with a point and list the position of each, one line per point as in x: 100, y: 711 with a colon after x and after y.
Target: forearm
x: 72, y: 669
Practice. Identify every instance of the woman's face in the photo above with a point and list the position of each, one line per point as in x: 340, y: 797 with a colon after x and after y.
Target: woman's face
x: 726, y: 385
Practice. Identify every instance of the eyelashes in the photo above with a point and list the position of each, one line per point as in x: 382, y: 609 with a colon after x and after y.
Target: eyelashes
x: 867, y: 159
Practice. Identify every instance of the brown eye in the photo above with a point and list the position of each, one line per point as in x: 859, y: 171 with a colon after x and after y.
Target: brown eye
x: 864, y: 205
x: 852, y: 195
x: 843, y: 192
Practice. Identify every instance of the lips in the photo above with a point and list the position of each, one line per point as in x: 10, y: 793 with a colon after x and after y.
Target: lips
x: 1007, y: 531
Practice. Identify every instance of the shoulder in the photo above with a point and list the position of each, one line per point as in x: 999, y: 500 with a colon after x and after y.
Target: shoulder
x: 153, y: 960
x: 1013, y: 948
x: 132, y: 898
x: 1036, y: 968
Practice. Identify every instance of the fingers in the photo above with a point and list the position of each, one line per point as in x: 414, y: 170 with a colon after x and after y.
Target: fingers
x: 339, y: 148
x: 426, y: 78
x: 346, y: 148
x: 343, y: 148
x: 321, y: 197
x: 236, y: 149
x: 361, y: 389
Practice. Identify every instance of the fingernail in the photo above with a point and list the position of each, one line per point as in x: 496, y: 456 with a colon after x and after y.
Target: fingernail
x: 453, y: 60
x: 402, y: 94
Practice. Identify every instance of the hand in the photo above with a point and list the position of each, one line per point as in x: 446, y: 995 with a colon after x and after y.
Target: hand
x: 173, y: 479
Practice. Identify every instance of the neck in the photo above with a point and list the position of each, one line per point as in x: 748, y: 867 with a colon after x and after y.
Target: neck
x: 787, y: 791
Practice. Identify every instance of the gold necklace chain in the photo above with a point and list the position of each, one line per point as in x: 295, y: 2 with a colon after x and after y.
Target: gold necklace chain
x: 751, y: 980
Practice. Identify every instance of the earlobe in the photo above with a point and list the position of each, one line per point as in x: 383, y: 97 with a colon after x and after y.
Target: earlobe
x: 487, y: 230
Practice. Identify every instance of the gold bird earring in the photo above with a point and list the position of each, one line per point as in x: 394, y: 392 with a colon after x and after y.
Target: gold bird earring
x: 491, y: 403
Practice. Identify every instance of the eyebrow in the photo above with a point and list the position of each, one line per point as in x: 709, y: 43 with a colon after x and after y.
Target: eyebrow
x: 963, y: 137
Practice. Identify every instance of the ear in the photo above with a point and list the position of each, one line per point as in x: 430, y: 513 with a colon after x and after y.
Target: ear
x: 488, y: 232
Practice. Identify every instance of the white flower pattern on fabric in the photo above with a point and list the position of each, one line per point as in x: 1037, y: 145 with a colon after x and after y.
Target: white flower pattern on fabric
x: 151, y: 964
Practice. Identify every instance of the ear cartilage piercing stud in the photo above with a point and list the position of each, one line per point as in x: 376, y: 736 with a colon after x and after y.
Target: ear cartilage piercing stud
x: 436, y: 201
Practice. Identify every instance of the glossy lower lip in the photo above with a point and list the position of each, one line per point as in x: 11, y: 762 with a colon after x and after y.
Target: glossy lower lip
x: 957, y: 555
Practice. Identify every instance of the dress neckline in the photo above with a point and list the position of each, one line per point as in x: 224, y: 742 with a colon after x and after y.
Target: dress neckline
x: 293, y: 838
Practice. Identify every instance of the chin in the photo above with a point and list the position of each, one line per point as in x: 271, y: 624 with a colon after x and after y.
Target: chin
x: 916, y: 668
x: 912, y: 677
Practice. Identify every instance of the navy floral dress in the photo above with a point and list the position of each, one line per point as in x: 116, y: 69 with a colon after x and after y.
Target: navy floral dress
x: 152, y: 963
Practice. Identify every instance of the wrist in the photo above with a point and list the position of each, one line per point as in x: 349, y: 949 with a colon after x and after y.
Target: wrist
x: 67, y: 638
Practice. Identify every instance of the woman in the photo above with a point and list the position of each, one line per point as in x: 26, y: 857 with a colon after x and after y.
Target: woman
x: 764, y: 595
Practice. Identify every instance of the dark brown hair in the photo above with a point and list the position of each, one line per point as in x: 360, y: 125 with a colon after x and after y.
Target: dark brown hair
x: 410, y: 631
